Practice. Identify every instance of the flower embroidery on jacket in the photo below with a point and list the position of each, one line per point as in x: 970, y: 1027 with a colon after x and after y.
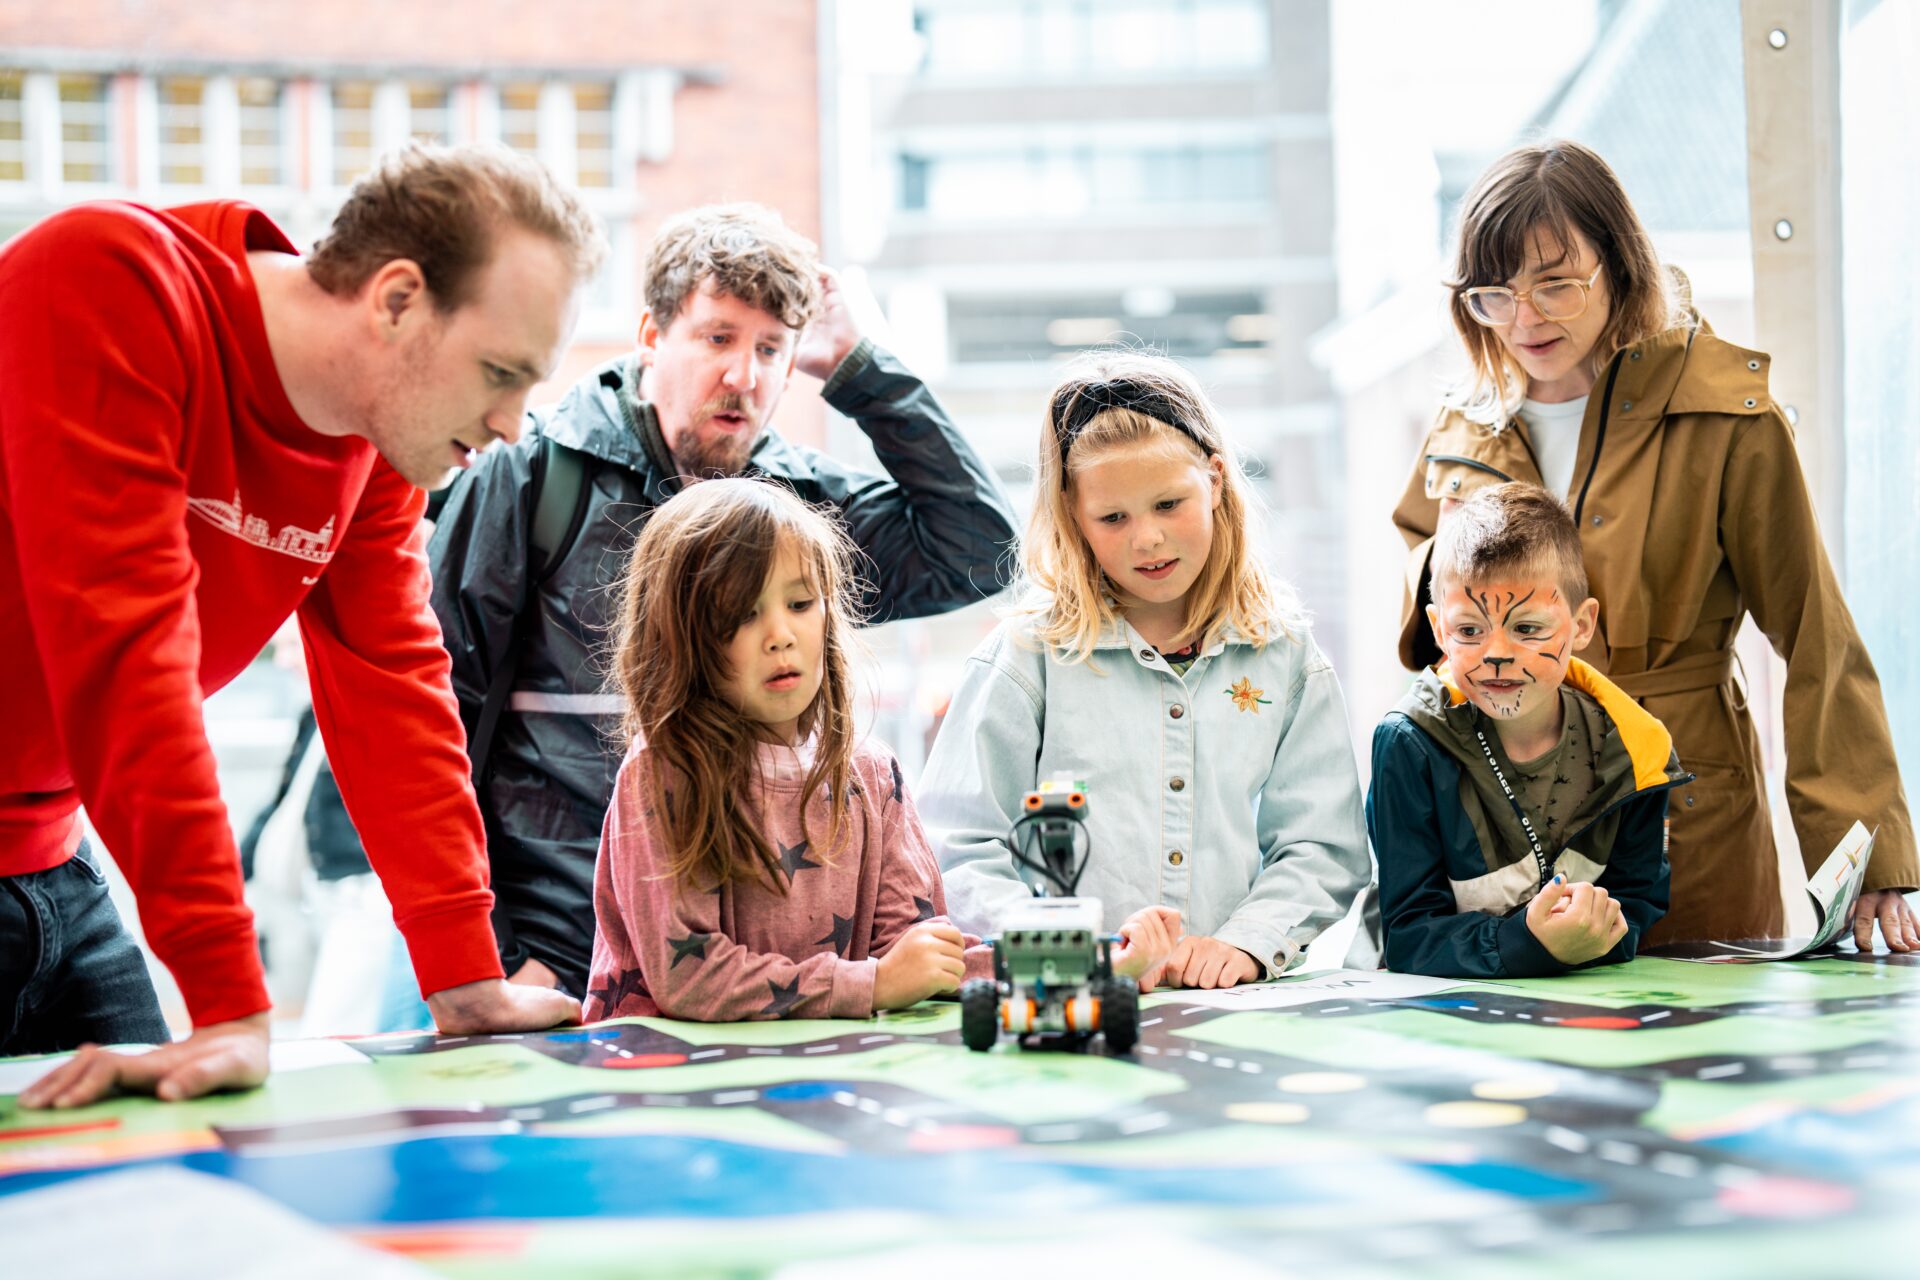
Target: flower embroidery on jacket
x: 1246, y: 697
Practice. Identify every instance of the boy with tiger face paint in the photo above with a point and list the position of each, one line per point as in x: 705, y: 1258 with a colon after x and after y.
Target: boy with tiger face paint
x: 1518, y: 807
x: 1509, y: 644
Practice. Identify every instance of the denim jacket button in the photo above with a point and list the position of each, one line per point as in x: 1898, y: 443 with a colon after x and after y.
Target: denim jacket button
x: 1176, y: 857
x: 1146, y: 655
x: 1176, y: 711
x: 1177, y: 784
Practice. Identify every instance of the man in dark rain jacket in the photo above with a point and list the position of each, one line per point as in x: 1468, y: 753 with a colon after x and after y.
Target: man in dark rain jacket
x: 524, y: 585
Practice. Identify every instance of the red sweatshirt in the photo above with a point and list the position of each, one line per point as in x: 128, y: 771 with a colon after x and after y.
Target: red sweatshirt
x: 162, y: 510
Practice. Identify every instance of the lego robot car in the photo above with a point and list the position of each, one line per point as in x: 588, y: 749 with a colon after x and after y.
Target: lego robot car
x: 1053, y: 977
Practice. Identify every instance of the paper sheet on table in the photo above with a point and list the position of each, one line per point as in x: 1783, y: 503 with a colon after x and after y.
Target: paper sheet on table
x: 176, y: 1224
x: 1834, y: 888
x: 282, y: 1056
x: 1329, y: 984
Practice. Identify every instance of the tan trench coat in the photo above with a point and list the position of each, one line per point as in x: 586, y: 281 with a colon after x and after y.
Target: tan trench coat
x: 1693, y: 512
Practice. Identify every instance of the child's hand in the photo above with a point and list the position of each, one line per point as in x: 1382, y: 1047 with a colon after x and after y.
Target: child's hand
x: 927, y: 960
x: 1148, y: 935
x: 1208, y: 962
x: 1575, y: 923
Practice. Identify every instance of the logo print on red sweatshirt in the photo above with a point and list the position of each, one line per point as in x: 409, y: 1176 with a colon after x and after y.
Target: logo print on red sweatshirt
x: 230, y: 517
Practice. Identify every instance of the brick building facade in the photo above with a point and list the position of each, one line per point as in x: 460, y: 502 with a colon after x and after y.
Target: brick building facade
x: 647, y: 108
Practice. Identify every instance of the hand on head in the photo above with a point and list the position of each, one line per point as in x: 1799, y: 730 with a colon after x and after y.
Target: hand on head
x: 928, y: 960
x: 1575, y: 922
x: 832, y: 335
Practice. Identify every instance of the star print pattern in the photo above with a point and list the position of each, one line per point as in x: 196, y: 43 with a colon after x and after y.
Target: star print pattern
x: 923, y: 910
x: 841, y: 935
x: 609, y: 995
x: 784, y: 998
x: 794, y: 859
x: 694, y: 945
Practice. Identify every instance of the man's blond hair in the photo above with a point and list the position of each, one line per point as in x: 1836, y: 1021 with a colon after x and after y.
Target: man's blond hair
x: 442, y: 209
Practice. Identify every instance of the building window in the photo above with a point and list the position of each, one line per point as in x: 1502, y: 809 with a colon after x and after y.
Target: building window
x: 263, y: 153
x: 975, y: 40
x: 913, y: 182
x: 13, y: 133
x: 183, y: 147
x: 520, y: 117
x: 593, y: 133
x: 1187, y: 326
x: 430, y: 115
x: 352, y: 130
x: 1007, y: 38
x: 86, y: 152
x: 1230, y: 34
x: 1067, y: 181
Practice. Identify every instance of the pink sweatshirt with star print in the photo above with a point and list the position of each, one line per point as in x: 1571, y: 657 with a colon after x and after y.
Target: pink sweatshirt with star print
x: 745, y: 952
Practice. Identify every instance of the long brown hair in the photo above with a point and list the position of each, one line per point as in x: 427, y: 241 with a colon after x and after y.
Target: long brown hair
x: 695, y: 574
x: 1139, y: 396
x: 1553, y: 188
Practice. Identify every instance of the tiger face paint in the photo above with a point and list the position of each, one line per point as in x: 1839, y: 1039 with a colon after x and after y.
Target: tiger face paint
x: 1508, y: 646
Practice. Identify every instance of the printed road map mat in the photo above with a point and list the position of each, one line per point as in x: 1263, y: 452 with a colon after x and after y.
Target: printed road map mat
x: 1731, y: 1121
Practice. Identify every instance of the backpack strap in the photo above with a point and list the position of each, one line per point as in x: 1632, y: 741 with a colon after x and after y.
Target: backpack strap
x: 560, y: 501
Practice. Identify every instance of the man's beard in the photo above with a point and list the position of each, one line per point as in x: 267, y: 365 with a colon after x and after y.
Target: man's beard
x: 717, y: 455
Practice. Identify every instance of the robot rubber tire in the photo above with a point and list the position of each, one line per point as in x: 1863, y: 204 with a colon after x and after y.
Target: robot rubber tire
x: 979, y: 1013
x: 1120, y: 1014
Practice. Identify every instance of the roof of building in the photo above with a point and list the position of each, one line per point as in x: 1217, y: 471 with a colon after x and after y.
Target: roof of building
x: 1662, y: 97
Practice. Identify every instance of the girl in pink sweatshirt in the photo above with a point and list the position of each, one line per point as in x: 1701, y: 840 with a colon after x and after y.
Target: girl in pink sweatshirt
x: 757, y: 862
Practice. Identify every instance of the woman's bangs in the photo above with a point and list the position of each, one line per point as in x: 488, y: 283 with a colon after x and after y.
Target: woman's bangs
x: 1496, y: 249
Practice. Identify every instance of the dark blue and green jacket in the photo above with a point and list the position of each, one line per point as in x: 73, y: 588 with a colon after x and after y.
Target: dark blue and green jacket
x: 1456, y: 868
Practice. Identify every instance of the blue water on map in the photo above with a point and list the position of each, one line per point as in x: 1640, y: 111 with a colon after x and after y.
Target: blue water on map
x: 450, y: 1177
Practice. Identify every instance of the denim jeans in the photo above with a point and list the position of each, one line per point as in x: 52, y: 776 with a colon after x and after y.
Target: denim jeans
x: 69, y: 971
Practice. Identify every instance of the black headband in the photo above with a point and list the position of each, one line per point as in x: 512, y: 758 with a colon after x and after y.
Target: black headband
x: 1095, y: 398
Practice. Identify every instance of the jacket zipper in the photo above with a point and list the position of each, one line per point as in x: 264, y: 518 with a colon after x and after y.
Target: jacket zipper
x: 1600, y: 817
x: 1599, y: 438
x: 1533, y: 457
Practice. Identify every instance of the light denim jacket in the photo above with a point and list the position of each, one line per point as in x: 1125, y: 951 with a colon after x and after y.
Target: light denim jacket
x: 1230, y: 795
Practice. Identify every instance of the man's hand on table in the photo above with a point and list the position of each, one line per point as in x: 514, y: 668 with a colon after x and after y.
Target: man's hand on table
x: 223, y: 1055
x: 495, y: 1005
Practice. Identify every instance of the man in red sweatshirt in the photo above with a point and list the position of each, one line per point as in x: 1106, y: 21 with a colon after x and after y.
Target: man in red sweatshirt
x: 200, y: 433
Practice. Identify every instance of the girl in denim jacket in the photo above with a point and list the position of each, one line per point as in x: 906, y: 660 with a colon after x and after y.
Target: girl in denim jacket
x: 1154, y: 660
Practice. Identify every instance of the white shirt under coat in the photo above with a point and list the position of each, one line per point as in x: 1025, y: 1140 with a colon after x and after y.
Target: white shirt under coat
x: 1554, y: 432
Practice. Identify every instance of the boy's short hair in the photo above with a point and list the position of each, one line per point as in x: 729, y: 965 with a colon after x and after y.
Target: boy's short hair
x: 1510, y: 530
x: 442, y: 208
x: 746, y: 251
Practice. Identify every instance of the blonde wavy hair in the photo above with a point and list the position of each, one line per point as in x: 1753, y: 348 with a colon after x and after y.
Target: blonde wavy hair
x: 1553, y: 188
x: 1114, y: 399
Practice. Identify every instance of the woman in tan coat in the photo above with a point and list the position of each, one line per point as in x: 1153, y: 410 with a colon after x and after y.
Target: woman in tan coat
x: 1595, y: 377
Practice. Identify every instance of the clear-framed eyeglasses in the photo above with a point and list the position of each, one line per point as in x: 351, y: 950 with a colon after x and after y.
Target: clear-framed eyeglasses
x: 1496, y: 305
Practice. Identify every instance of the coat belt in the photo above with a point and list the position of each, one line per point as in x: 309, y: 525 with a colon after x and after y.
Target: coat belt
x: 1698, y: 671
